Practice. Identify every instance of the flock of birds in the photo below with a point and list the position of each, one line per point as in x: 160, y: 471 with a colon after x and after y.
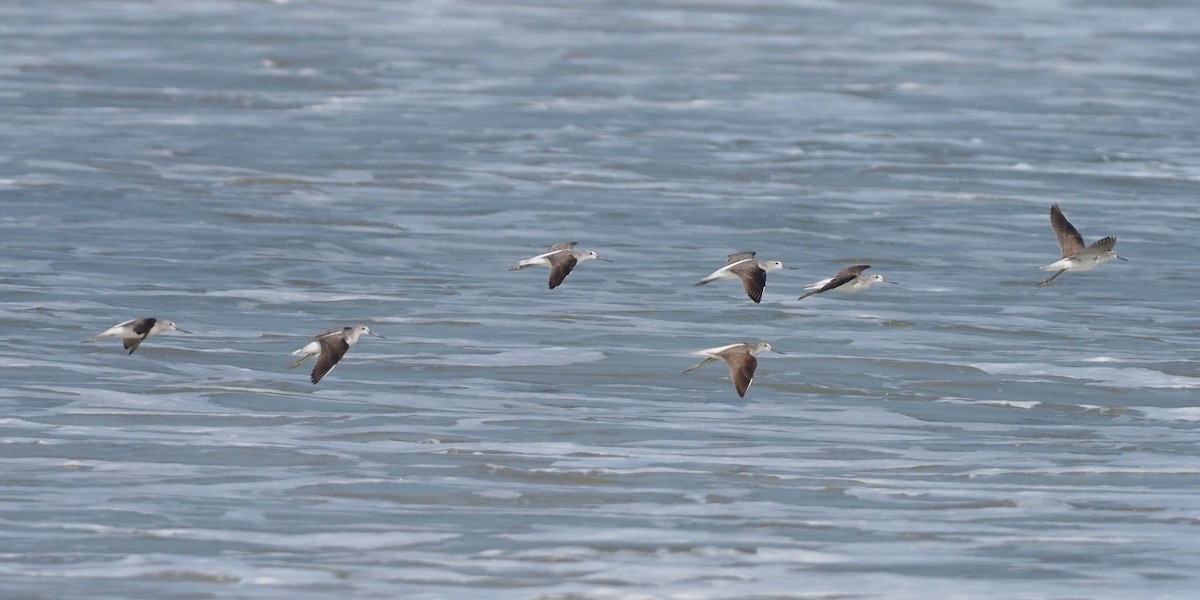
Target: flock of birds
x: 331, y: 345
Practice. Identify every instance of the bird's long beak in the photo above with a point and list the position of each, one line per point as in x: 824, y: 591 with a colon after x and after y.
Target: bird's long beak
x: 890, y: 281
x: 1122, y: 258
x: 778, y: 352
x: 376, y: 334
x: 603, y: 259
x: 182, y: 330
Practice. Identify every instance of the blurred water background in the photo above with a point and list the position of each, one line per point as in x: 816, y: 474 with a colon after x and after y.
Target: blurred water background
x: 260, y: 171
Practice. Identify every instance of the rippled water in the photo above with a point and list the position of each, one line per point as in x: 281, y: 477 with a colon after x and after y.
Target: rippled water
x: 259, y: 171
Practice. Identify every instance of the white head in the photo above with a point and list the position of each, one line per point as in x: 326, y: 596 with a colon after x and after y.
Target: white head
x: 761, y: 347
x: 874, y: 279
x: 168, y: 326
x: 589, y: 255
x: 1109, y: 255
x: 358, y: 330
x: 773, y: 265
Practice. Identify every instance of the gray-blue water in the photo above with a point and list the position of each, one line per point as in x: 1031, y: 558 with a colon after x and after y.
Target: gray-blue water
x: 260, y: 171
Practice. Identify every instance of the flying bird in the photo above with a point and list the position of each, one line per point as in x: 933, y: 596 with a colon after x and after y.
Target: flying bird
x: 740, y: 358
x: 849, y: 280
x: 560, y: 258
x: 1075, y: 256
x: 751, y: 271
x: 331, y: 345
x: 135, y: 331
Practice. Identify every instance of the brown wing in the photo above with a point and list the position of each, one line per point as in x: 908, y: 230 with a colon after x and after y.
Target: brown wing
x: 560, y: 266
x: 141, y: 327
x: 132, y: 344
x: 332, y: 351
x: 1068, y: 238
x: 741, y: 371
x: 562, y: 246
x: 754, y: 279
x: 854, y: 271
x: 739, y: 256
x: 1102, y: 245
x: 843, y: 277
x: 328, y: 332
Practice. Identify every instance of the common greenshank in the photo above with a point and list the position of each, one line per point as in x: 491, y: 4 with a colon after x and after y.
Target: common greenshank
x: 560, y: 258
x: 751, y: 271
x: 1075, y: 256
x: 740, y: 358
x: 134, y: 331
x: 848, y: 280
x: 332, y: 345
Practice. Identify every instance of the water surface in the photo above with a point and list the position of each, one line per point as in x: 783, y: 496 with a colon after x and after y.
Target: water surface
x: 260, y: 171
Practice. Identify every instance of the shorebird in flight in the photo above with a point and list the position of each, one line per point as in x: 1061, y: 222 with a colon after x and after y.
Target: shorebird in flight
x: 332, y: 345
x: 849, y: 280
x: 751, y: 271
x: 1076, y: 256
x: 135, y: 331
x: 740, y: 358
x: 560, y: 258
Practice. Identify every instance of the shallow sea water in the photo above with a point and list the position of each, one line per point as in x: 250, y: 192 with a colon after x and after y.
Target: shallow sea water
x: 260, y: 171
